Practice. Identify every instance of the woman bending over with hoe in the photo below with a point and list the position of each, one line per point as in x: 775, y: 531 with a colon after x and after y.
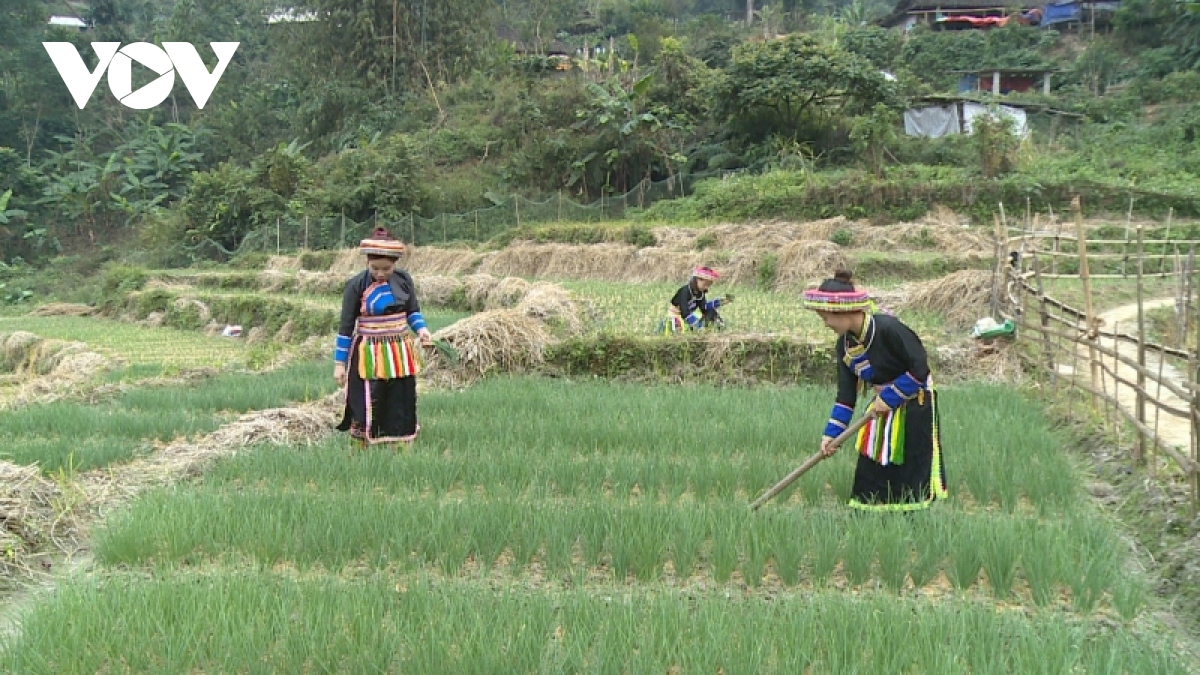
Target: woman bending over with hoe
x: 691, y: 306
x: 900, y: 465
x: 376, y: 358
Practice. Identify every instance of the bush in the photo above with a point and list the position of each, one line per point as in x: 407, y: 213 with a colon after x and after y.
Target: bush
x: 640, y: 236
x: 120, y: 279
x: 842, y: 237
x: 768, y: 271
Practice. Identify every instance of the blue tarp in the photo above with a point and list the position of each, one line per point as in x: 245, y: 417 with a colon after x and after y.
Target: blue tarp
x: 1073, y: 11
x: 1061, y: 13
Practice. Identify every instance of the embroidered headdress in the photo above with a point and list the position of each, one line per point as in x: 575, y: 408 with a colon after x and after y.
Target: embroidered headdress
x: 838, y: 295
x: 705, y: 273
x: 382, y: 244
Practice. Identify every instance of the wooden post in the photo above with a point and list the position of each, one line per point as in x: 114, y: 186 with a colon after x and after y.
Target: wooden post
x: 1162, y: 262
x: 342, y: 239
x: 1044, y: 315
x: 305, y: 233
x: 998, y: 272
x: 412, y: 230
x: 1125, y: 250
x: 517, y: 208
x: 559, y: 206
x: 1115, y: 412
x: 1193, y: 357
x: 1089, y: 315
x: 443, y: 227
x: 276, y: 235
x: 1057, y: 234
x: 1140, y: 448
x: 476, y: 224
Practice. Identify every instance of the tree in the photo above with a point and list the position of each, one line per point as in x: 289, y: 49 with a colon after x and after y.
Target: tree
x: 795, y: 88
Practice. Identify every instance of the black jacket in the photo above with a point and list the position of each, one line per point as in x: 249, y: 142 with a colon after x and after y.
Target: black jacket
x: 403, y: 290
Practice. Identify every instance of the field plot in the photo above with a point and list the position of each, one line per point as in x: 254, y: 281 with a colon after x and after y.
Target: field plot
x: 136, y: 345
x: 542, y: 526
x: 639, y: 309
x: 66, y: 435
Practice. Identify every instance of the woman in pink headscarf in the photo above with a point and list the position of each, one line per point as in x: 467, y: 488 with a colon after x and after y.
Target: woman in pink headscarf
x: 691, y: 307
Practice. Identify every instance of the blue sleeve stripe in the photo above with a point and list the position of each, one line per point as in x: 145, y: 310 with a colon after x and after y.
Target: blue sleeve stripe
x: 416, y: 321
x: 841, y: 413
x: 891, y: 397
x: 343, y: 342
x: 907, y: 385
x: 692, y: 320
x: 833, y: 429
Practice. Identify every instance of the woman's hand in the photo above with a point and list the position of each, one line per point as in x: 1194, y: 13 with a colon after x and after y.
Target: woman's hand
x: 339, y: 373
x: 879, y: 408
x: 426, y: 337
x: 827, y: 446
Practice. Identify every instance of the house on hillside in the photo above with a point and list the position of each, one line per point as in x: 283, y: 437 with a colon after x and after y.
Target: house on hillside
x: 984, y: 14
x: 954, y: 14
x: 556, y: 51
x: 1005, y: 80
x: 68, y: 22
x: 291, y: 15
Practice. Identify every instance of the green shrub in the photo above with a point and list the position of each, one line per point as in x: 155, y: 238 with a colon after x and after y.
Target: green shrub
x: 842, y: 237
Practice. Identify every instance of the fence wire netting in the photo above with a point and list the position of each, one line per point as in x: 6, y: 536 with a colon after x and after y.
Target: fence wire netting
x: 328, y: 232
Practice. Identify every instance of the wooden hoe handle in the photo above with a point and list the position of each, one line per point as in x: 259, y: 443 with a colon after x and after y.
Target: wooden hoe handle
x: 811, y: 462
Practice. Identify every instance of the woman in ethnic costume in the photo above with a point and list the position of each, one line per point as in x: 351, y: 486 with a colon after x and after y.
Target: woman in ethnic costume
x: 375, y: 338
x: 900, y: 464
x: 691, y: 306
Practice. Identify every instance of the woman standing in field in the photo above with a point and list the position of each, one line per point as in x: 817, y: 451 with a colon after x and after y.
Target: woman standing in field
x: 900, y: 465
x: 691, y: 306
x: 376, y: 358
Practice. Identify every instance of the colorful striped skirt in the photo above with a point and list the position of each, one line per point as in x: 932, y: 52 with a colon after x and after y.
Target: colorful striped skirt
x: 386, y: 348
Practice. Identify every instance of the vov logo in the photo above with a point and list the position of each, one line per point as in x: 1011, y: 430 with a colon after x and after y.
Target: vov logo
x: 179, y: 57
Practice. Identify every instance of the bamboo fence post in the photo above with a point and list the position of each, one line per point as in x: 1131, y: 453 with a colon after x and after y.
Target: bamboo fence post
x: 998, y: 271
x: 443, y: 227
x: 1089, y: 316
x: 1115, y: 411
x: 1125, y: 250
x: 276, y: 235
x: 1044, y: 315
x: 1140, y: 449
x: 412, y: 229
x: 1191, y: 377
x: 342, y: 239
x: 1162, y: 262
x: 305, y: 232
x: 517, y: 208
x: 1074, y: 374
x: 1057, y: 235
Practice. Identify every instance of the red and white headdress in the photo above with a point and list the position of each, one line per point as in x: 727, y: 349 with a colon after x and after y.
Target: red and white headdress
x: 705, y: 273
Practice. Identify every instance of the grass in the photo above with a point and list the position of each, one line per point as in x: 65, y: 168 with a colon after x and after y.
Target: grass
x: 138, y: 346
x: 568, y: 526
x: 87, y: 436
x: 639, y: 308
x: 262, y: 622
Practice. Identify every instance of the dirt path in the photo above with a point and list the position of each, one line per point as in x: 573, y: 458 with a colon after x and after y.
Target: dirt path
x: 1175, y: 431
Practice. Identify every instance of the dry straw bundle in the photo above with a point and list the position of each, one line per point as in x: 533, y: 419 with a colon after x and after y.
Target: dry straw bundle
x: 552, y: 305
x: 961, y: 297
x: 37, y: 522
x: 63, y: 309
x: 436, y: 289
x: 508, y: 340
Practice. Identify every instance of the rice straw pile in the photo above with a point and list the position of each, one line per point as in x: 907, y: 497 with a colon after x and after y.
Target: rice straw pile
x: 508, y: 340
x: 63, y: 309
x: 962, y: 297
